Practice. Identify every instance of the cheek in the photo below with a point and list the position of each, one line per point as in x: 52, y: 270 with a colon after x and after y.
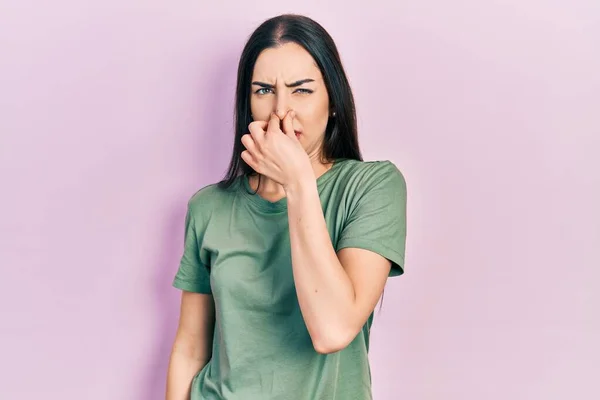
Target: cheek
x: 261, y: 109
x: 312, y: 117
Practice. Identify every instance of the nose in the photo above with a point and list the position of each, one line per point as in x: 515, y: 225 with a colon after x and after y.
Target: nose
x: 282, y: 106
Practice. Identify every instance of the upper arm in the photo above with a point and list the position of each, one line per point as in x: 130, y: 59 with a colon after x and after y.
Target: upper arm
x: 193, y: 274
x: 372, y: 242
x: 197, y: 312
x: 196, y: 325
x: 368, y: 273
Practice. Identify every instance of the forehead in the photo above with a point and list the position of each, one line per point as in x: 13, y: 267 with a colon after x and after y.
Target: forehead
x: 289, y: 61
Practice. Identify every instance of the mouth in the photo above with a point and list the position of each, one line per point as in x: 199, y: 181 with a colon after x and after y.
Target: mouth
x: 298, y: 133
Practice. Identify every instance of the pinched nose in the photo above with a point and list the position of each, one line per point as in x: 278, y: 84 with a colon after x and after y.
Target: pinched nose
x: 281, y: 112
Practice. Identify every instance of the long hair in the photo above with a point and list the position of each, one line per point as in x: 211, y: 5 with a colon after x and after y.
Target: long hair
x: 341, y: 137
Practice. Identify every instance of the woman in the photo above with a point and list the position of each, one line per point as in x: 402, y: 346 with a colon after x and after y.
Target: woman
x: 286, y: 258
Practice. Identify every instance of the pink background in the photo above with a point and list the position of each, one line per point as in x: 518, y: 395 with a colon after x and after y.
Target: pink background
x: 114, y: 112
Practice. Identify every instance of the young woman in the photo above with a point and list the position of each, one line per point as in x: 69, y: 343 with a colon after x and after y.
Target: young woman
x: 286, y: 257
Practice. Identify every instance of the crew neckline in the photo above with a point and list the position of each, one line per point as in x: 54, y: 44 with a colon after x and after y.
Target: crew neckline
x: 281, y: 204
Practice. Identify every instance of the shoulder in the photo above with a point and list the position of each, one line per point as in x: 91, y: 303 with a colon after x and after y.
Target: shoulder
x: 370, y: 174
x: 204, y: 196
x: 206, y: 199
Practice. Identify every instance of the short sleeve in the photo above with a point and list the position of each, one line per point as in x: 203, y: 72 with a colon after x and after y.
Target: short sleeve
x: 377, y: 221
x: 192, y: 275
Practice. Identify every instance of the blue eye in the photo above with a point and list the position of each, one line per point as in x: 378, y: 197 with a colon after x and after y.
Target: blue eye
x: 260, y: 91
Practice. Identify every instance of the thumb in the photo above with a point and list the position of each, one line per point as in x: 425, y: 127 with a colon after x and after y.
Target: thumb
x: 288, y: 124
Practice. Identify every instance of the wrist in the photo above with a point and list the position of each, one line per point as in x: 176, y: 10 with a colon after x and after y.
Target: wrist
x: 300, y: 185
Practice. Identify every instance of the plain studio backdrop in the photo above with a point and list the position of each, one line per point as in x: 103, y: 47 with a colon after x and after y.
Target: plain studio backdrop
x: 113, y: 113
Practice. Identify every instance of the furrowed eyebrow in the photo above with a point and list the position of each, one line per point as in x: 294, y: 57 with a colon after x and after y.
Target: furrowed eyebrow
x: 293, y: 84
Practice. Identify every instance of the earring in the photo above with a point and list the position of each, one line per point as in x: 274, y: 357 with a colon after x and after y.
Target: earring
x: 333, y: 115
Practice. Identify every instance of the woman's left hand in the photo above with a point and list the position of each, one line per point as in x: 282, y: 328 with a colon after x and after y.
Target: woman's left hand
x: 277, y: 154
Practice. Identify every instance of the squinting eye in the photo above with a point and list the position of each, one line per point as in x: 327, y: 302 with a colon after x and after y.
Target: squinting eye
x: 259, y: 91
x: 304, y: 91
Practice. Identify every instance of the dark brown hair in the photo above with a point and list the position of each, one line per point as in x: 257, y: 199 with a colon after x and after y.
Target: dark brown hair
x: 341, y: 138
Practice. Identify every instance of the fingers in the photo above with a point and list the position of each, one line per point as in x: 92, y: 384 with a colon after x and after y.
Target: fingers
x: 288, y: 123
x: 248, y: 142
x: 249, y: 159
x: 258, y: 126
x: 252, y: 154
x: 274, y: 122
x: 257, y: 131
x: 262, y: 124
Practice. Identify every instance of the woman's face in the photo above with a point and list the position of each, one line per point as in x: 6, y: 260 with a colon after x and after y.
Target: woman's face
x: 287, y: 78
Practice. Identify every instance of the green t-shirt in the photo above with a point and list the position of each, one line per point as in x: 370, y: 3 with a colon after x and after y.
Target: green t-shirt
x: 237, y: 248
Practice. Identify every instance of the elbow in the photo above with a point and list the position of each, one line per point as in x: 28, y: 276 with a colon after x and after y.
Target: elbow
x: 328, y: 348
x: 332, y: 342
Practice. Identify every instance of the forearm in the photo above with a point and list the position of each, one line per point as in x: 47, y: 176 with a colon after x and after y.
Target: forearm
x: 183, y: 366
x: 325, y: 292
